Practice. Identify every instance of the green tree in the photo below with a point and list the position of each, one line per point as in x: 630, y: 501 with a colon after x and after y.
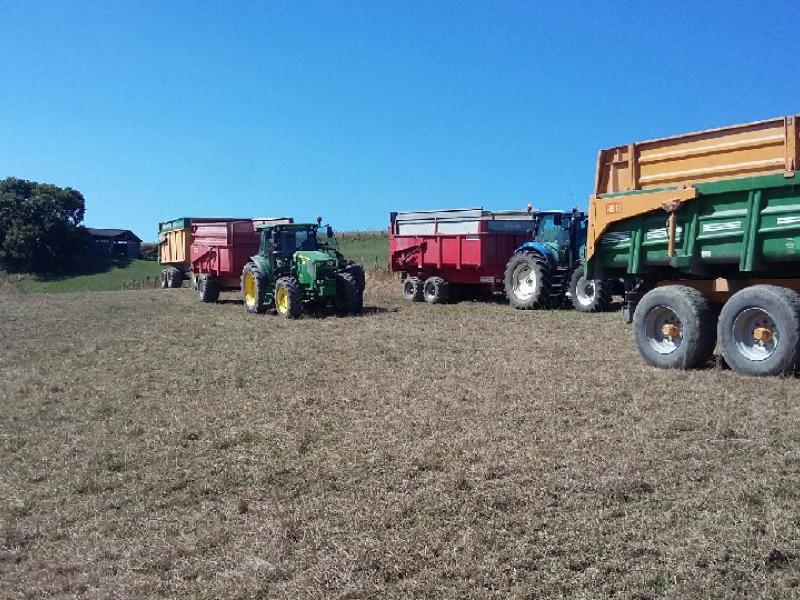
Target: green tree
x: 40, y: 225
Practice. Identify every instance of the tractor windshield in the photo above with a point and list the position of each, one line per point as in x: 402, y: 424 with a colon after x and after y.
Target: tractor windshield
x: 294, y: 240
x: 550, y: 230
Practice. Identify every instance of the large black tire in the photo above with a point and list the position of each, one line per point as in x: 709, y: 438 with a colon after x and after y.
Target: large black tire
x: 254, y: 289
x: 288, y: 298
x: 164, y: 275
x: 675, y: 327
x: 207, y: 289
x: 412, y: 289
x: 436, y: 290
x: 347, y: 294
x: 588, y: 296
x: 527, y: 281
x: 357, y: 271
x: 176, y: 278
x: 759, y: 331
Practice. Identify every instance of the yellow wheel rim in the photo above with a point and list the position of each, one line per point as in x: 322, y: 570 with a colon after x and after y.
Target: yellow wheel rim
x: 282, y: 299
x: 249, y: 289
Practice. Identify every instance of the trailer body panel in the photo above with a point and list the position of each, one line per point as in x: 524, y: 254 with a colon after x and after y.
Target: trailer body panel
x: 463, y: 246
x: 221, y: 249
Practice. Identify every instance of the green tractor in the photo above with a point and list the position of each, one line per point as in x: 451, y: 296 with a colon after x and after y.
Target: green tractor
x: 299, y: 265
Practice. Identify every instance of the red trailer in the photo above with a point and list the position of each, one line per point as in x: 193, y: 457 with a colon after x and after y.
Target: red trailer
x: 432, y: 249
x: 218, y: 254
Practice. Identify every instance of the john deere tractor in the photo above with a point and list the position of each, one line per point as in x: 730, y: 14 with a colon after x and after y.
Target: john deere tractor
x: 548, y: 269
x: 299, y: 265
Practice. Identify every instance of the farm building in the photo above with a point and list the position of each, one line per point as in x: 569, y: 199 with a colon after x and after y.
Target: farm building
x: 121, y: 243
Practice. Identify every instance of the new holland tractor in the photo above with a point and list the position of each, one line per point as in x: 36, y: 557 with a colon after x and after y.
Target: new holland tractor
x: 298, y: 266
x: 548, y: 269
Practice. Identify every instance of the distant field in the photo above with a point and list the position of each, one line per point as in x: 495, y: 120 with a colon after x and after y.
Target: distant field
x: 153, y: 446
x: 370, y: 248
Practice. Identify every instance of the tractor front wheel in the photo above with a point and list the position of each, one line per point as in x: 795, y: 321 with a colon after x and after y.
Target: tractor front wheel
x: 588, y: 295
x: 288, y: 298
x: 348, y: 294
x: 253, y: 289
x: 207, y: 289
x: 357, y: 271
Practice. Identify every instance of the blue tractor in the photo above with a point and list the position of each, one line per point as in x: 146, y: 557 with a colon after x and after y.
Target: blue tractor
x: 547, y: 271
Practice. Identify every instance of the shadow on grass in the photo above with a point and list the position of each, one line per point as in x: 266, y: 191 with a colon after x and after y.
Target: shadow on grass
x: 90, y: 265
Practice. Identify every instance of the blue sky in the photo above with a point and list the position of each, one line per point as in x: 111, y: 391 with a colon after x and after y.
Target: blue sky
x: 349, y: 110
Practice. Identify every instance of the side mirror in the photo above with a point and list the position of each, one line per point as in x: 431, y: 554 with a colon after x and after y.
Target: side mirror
x: 329, y: 231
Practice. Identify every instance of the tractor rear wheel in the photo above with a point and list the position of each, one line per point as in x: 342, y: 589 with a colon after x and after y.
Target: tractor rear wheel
x: 675, y: 327
x: 588, y: 295
x: 412, y: 289
x: 347, y: 294
x: 436, y: 290
x: 759, y: 331
x: 527, y: 281
x: 207, y: 289
x: 254, y: 289
x: 288, y: 298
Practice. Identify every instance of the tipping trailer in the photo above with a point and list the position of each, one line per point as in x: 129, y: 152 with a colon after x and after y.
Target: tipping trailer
x: 705, y: 230
x: 174, y: 247
x: 218, y: 253
x: 433, y: 249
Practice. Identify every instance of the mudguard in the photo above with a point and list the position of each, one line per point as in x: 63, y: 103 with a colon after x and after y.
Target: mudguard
x: 539, y: 248
x: 263, y: 266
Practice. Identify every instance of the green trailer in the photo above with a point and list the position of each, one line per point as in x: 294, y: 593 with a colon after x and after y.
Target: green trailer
x: 705, y: 231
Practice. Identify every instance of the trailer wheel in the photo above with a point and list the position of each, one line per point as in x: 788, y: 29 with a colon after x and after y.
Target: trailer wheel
x: 175, y: 278
x: 288, y: 298
x: 436, y: 290
x: 592, y: 295
x: 207, y: 289
x: 527, y: 281
x: 164, y: 280
x: 675, y: 327
x: 759, y: 331
x: 254, y: 289
x: 412, y: 289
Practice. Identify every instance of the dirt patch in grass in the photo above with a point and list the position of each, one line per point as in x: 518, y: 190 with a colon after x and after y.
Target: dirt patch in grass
x: 151, y: 445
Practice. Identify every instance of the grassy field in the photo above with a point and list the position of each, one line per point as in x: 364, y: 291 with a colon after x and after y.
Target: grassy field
x: 112, y: 279
x: 153, y: 446
x: 370, y: 248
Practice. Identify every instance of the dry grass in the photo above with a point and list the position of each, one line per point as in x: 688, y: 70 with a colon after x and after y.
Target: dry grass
x: 154, y: 446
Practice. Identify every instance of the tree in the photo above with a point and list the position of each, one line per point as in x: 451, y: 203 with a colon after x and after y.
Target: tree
x: 40, y: 225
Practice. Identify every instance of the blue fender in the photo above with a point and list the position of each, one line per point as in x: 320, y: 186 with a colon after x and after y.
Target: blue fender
x: 541, y: 249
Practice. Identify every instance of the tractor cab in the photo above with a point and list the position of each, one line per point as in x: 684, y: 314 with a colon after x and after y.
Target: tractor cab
x: 563, y: 232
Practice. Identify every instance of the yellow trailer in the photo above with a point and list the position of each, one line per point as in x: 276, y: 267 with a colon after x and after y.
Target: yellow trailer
x: 667, y: 168
x: 704, y: 229
x: 174, y: 248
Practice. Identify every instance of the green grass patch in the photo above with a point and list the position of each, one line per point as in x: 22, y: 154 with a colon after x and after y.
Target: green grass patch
x: 115, y: 278
x: 370, y: 248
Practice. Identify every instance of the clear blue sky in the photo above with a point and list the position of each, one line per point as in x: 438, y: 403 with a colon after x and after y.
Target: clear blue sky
x: 156, y: 110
